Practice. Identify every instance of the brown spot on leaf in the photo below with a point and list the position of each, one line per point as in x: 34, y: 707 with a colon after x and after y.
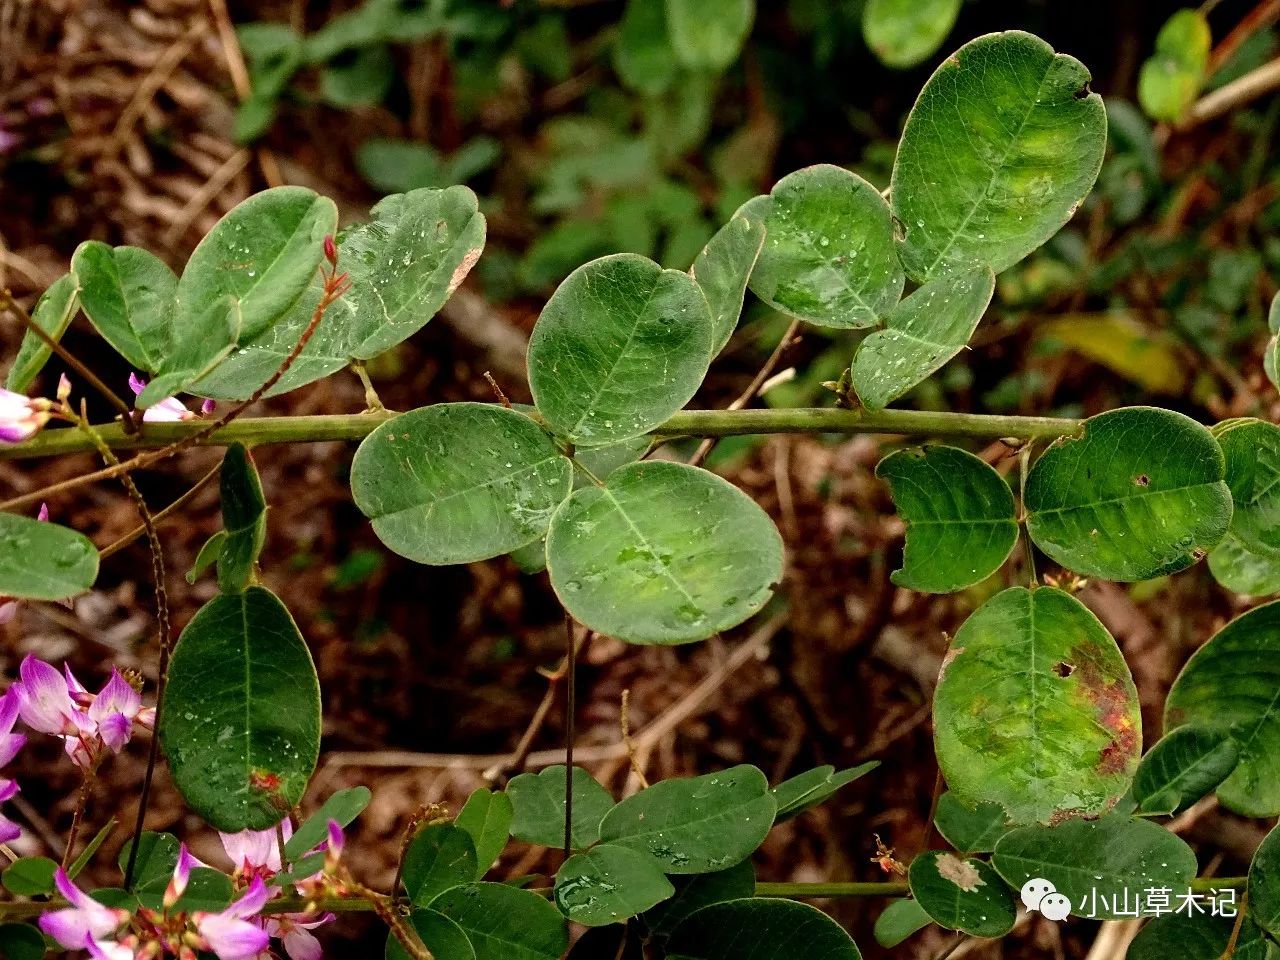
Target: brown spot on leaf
x: 1142, y: 480
x: 1064, y: 669
x: 946, y: 661
x: 960, y: 872
x: 463, y: 269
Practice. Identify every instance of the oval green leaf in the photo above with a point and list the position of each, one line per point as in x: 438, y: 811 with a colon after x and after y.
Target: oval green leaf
x: 44, y: 561
x: 698, y: 891
x: 1138, y: 494
x: 1230, y: 684
x: 53, y: 313
x: 828, y: 255
x: 808, y: 789
x: 538, y: 800
x: 440, y: 856
x: 761, y: 929
x: 244, y: 519
x: 1002, y: 145
x: 624, y: 561
x: 722, y: 271
x: 1184, y: 766
x: 921, y: 334
x: 1251, y: 449
x: 459, y: 482
x: 973, y: 829
x: 505, y: 923
x: 903, y: 33
x: 1170, y: 80
x: 444, y: 938
x: 487, y: 817
x: 342, y: 806
x: 642, y: 55
x: 621, y: 345
x: 1264, y: 884
x: 29, y: 876
x: 241, y: 720
x: 709, y: 36
x: 1036, y: 710
x: 21, y: 941
x: 960, y: 517
x: 899, y: 920
x: 1193, y: 936
x: 964, y: 895
x: 609, y: 884
x: 1255, y: 573
x: 698, y: 824
x: 1113, y: 857
x: 128, y: 294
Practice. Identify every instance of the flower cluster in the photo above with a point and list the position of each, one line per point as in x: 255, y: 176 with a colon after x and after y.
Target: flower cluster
x: 238, y: 932
x: 89, y: 724
x: 10, y: 744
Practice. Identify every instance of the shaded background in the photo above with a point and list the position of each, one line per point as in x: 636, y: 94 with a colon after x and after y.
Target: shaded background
x: 118, y: 122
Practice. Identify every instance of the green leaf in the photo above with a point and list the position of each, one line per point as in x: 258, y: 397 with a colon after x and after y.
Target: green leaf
x: 692, y: 893
x: 1111, y: 856
x: 486, y: 816
x: 807, y: 790
x: 709, y: 36
x: 1230, y: 684
x: 1036, y: 710
x: 246, y: 274
x: 621, y: 345
x: 157, y: 856
x: 1271, y: 356
x: 1138, y: 494
x: 921, y: 334
x: 1264, y: 884
x: 444, y: 938
x: 21, y: 941
x: 973, y: 829
x: 403, y: 265
x: 899, y: 920
x: 1251, y: 449
x: 440, y: 856
x: 722, y: 271
x: 623, y: 562
x: 361, y: 78
x: 273, y: 52
x: 609, y: 884
x: 538, y: 800
x: 698, y: 824
x: 642, y: 55
x: 761, y: 929
x: 208, y: 556
x: 1255, y: 573
x: 241, y: 720
x: 504, y: 923
x: 399, y: 165
x: 964, y: 895
x: 1002, y: 145
x: 207, y: 890
x: 1183, y: 767
x: 343, y: 806
x: 1197, y: 937
x: 129, y: 295
x: 53, y: 313
x: 44, y: 561
x: 1171, y: 80
x: 459, y: 482
x: 29, y: 876
x: 828, y: 254
x: 903, y: 33
x: 244, y: 519
x: 960, y: 516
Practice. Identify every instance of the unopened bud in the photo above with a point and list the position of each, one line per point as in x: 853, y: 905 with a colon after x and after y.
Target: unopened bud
x: 330, y: 250
x: 64, y: 387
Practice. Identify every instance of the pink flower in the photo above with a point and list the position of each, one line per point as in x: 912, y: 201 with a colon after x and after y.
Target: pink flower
x: 230, y: 933
x: 293, y: 930
x: 168, y: 410
x: 115, y: 709
x: 84, y: 922
x: 256, y: 852
x: 8, y: 829
x: 44, y: 699
x: 21, y: 417
x: 10, y: 742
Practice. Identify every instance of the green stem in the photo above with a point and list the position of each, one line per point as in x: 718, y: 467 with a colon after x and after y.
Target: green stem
x: 687, y: 423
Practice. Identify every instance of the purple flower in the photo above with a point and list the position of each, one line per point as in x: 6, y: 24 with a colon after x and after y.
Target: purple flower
x: 115, y: 709
x: 20, y: 416
x: 44, y: 699
x: 83, y: 923
x: 230, y: 933
x: 293, y: 930
x: 10, y: 742
x: 9, y: 830
x: 256, y: 852
x: 168, y: 410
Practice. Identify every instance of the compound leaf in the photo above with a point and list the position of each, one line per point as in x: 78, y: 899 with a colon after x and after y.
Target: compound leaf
x: 538, y: 801
x: 1184, y: 766
x: 757, y: 928
x: 1002, y: 145
x: 241, y: 721
x: 1114, y: 856
x: 1230, y: 685
x: 128, y: 294
x: 828, y: 254
x: 621, y: 345
x: 1036, y: 709
x: 923, y: 332
x: 1139, y: 494
x: 609, y: 884
x: 625, y: 561
x: 964, y: 895
x: 960, y: 517
x: 459, y: 482
x: 697, y: 824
